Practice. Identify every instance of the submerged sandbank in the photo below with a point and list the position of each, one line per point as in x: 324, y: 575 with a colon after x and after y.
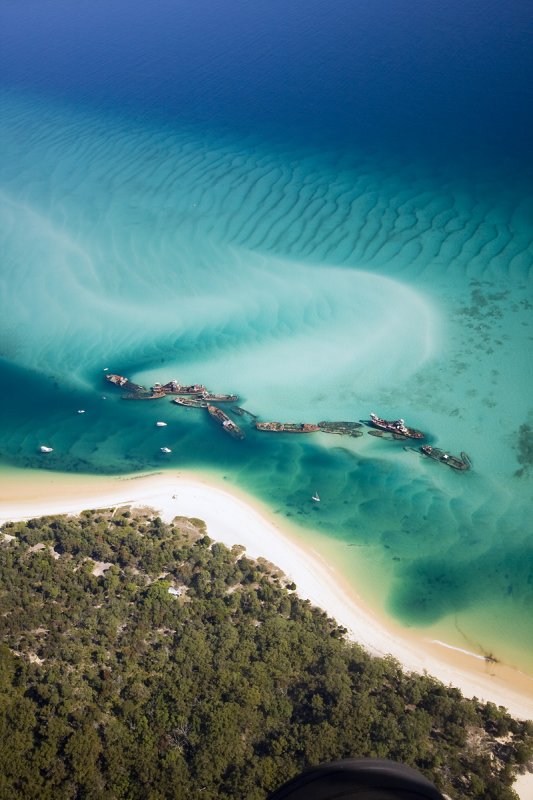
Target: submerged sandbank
x: 234, y: 518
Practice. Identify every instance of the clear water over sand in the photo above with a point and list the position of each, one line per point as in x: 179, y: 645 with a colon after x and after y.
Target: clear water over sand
x: 318, y: 280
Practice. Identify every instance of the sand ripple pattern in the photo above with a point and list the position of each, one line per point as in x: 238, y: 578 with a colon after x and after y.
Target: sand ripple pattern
x: 163, y: 242
x: 364, y: 212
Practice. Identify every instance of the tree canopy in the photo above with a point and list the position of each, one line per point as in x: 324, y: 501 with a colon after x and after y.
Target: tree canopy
x: 142, y: 660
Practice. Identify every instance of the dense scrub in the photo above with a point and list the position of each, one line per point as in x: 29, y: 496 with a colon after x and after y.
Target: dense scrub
x: 112, y: 687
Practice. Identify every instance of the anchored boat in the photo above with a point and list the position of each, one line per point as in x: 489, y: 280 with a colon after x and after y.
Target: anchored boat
x: 461, y: 463
x: 190, y: 402
x: 396, y: 426
x: 341, y: 428
x: 118, y: 380
x: 144, y: 396
x: 225, y: 422
x: 389, y: 437
x: 195, y: 391
x: 287, y: 427
x: 134, y: 390
x: 125, y: 383
x: 173, y: 387
x: 219, y: 398
x: 241, y: 412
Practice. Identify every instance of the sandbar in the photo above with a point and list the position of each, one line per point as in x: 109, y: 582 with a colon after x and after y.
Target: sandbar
x: 232, y: 517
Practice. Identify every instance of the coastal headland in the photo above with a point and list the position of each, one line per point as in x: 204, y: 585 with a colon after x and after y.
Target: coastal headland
x: 235, y: 518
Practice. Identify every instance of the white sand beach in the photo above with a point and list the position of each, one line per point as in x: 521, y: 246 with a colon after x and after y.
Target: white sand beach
x: 233, y: 518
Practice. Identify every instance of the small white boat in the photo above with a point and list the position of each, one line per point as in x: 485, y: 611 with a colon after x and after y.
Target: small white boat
x: 161, y: 424
x: 106, y: 369
x: 81, y: 411
x: 166, y: 450
x: 44, y: 449
x: 315, y: 497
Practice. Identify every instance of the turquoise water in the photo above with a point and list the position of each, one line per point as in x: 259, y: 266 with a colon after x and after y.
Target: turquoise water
x: 319, y: 276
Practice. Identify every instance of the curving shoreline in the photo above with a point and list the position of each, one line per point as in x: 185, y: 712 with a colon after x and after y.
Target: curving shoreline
x: 234, y: 518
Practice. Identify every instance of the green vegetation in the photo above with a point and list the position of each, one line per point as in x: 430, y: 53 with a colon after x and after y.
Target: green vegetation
x: 112, y: 687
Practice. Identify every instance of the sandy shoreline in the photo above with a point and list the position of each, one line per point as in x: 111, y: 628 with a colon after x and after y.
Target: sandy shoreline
x: 234, y: 518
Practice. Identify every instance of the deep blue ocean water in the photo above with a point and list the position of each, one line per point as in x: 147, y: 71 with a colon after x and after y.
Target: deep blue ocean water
x: 323, y: 207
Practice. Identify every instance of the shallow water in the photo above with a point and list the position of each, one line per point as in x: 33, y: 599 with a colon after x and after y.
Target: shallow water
x: 320, y: 271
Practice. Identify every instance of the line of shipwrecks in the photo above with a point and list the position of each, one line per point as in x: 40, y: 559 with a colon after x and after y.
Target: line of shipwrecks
x: 192, y: 395
x: 198, y: 396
